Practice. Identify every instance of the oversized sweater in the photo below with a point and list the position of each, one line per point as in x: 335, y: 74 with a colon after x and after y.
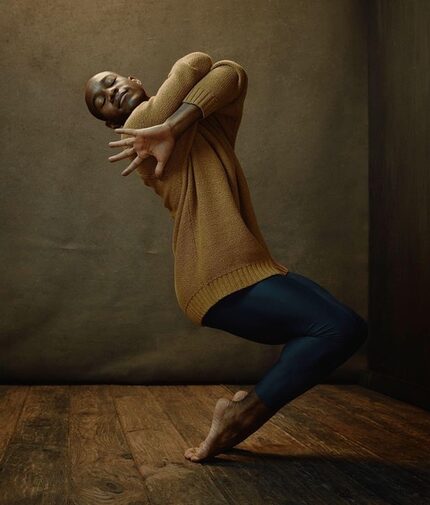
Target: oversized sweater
x: 217, y: 245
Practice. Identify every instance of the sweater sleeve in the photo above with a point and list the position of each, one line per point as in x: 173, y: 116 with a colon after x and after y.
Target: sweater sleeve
x: 185, y: 73
x: 220, y: 89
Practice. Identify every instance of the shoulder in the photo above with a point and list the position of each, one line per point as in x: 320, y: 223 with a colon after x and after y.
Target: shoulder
x: 139, y: 118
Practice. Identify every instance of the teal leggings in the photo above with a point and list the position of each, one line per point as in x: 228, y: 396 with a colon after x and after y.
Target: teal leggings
x: 319, y: 332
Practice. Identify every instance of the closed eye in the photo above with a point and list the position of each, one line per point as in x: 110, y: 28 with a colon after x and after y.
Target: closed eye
x: 108, y: 82
x: 100, y: 103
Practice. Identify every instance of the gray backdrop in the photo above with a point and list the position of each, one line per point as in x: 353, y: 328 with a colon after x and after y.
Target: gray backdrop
x: 87, y: 272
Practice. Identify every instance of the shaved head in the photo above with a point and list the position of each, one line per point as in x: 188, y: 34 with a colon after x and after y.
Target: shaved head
x: 112, y: 97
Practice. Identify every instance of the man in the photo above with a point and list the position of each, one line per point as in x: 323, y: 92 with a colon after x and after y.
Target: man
x: 182, y: 145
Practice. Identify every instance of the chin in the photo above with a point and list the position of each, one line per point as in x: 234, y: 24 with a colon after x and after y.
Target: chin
x: 132, y: 104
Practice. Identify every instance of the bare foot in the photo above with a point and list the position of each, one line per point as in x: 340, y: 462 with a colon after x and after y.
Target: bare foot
x: 233, y: 421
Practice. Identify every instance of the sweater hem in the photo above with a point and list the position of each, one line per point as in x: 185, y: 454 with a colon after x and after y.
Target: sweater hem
x: 228, y: 283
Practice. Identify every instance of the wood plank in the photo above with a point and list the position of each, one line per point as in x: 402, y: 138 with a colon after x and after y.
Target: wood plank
x: 274, y: 452
x: 158, y: 449
x: 102, y: 469
x: 192, y: 420
x: 308, y: 453
x: 12, y: 400
x: 385, y: 410
x: 35, y: 463
x: 391, y: 446
x: 316, y: 430
x: 405, y: 432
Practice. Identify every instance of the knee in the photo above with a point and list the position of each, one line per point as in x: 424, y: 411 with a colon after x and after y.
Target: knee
x: 353, y: 331
x: 358, y: 331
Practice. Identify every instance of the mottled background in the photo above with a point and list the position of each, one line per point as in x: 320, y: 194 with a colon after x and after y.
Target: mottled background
x: 87, y: 290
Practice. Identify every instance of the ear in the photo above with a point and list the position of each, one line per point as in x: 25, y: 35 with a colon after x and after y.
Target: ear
x: 135, y: 79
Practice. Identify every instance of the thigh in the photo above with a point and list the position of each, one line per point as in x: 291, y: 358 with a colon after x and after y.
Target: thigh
x: 273, y: 310
x: 329, y: 297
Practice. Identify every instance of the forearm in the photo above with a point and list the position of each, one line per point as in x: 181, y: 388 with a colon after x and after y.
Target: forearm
x: 225, y: 83
x: 183, y: 118
x: 185, y: 73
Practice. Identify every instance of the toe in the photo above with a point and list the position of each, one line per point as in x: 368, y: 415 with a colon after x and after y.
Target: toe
x: 190, y: 452
x: 192, y: 455
x: 200, y: 453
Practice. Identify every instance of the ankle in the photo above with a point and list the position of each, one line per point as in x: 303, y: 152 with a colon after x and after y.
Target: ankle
x: 253, y: 405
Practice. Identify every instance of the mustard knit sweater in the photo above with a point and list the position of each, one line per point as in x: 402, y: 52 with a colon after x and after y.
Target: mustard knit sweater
x: 217, y: 244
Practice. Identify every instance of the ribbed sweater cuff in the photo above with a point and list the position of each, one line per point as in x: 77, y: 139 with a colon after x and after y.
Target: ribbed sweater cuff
x: 203, y: 99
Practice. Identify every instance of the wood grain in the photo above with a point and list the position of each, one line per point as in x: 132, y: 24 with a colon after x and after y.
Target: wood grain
x: 92, y: 445
x: 158, y: 447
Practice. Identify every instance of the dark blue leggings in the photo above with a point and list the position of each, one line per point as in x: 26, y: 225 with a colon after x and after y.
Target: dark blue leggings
x: 319, y: 332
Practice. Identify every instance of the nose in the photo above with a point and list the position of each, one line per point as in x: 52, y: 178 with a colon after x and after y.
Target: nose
x: 112, y: 91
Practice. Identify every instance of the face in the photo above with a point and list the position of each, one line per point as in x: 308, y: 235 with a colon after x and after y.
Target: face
x: 112, y: 97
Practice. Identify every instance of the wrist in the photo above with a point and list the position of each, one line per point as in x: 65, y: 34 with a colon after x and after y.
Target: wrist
x: 173, y: 127
x: 183, y: 118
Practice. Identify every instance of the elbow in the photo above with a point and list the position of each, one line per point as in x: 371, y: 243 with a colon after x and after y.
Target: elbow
x: 235, y: 68
x: 243, y: 76
x: 200, y: 61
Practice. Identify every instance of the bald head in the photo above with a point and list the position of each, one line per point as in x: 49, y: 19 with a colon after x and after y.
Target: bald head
x: 112, y: 97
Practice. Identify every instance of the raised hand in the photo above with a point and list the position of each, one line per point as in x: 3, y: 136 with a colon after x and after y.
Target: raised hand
x: 157, y: 141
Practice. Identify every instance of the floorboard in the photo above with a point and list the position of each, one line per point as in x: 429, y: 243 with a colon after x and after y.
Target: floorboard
x: 102, y: 468
x: 331, y: 434
x: 96, y: 444
x: 157, y: 447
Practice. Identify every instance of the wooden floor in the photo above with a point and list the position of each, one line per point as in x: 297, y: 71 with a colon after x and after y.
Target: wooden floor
x: 91, y: 445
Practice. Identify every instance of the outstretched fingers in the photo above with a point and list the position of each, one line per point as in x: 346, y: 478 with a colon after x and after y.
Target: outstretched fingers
x: 127, y: 153
x: 133, y: 165
x: 127, y: 131
x: 123, y: 142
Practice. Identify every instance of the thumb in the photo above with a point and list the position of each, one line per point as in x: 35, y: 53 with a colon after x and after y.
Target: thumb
x: 159, y: 169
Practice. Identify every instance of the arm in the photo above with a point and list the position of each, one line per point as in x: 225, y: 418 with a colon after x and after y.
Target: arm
x: 157, y: 141
x: 222, y: 92
x: 220, y: 89
x: 183, y: 76
x: 161, y: 119
x: 184, y: 117
x: 223, y: 87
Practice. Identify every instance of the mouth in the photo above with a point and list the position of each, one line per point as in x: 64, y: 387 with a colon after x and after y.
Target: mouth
x: 120, y: 98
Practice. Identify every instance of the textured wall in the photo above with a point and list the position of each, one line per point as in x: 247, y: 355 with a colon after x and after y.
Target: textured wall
x: 87, y: 273
x: 399, y: 72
